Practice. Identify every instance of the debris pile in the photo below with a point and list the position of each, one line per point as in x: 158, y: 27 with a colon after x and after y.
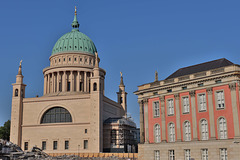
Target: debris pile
x: 9, y: 150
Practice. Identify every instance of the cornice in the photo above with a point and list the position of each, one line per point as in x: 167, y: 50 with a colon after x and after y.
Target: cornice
x: 189, y: 82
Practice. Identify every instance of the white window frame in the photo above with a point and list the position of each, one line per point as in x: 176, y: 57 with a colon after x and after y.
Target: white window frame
x: 202, y: 102
x: 171, y: 132
x: 187, y: 131
x: 222, y: 128
x: 170, y: 106
x: 171, y: 155
x: 156, y: 109
x: 223, y: 154
x: 204, y: 154
x: 220, y: 99
x: 156, y: 155
x: 157, y: 133
x: 185, y: 104
x: 187, y: 154
x: 204, y: 129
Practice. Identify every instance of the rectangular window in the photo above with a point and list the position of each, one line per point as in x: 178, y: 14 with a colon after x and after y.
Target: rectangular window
x: 85, y: 144
x: 223, y: 154
x: 66, y: 144
x: 204, y: 153
x: 169, y: 90
x: 44, y: 144
x: 157, y: 155
x: 85, y: 130
x: 170, y: 107
x: 55, y: 145
x: 156, y: 109
x: 60, y: 86
x: 187, y: 154
x: 184, y: 88
x: 171, y: 155
x: 200, y: 84
x: 68, y: 86
x: 218, y: 81
x: 202, y: 102
x: 220, y: 100
x: 25, y: 145
x: 185, y: 103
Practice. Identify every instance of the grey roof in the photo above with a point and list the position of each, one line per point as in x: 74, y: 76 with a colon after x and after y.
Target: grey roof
x: 121, y: 121
x: 201, y: 67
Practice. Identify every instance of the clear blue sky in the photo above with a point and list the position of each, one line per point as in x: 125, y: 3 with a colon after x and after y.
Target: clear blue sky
x: 136, y: 37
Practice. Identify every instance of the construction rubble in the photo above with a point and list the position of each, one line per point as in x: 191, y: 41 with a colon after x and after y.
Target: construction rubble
x: 10, y: 151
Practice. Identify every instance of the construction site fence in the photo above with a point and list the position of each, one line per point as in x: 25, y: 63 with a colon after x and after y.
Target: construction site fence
x: 119, y: 155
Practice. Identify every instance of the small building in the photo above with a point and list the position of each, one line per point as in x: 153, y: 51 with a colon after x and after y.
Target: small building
x: 120, y: 135
x: 192, y: 114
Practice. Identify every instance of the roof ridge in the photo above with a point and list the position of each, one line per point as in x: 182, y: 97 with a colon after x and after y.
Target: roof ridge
x: 205, y: 63
x: 218, y: 63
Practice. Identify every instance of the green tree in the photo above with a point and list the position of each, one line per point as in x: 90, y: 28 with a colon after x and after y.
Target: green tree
x: 5, y: 131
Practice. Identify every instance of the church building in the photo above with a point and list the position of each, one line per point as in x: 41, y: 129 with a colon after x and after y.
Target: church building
x: 69, y: 117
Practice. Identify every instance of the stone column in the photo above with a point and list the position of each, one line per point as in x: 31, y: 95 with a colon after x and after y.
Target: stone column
x: 45, y: 84
x: 176, y: 96
x: 141, y: 122
x: 194, y: 119
x: 71, y: 81
x: 163, y: 119
x: 88, y: 85
x: 58, y: 77
x: 211, y: 113
x: 81, y: 80
x: 78, y: 82
x: 53, y: 82
x: 85, y: 82
x: 145, y: 103
x: 48, y: 83
x: 232, y: 87
x: 64, y: 81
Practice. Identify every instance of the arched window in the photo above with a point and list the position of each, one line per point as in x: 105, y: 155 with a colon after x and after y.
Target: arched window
x: 94, y: 86
x: 157, y: 133
x: 171, y: 132
x: 222, y: 128
x: 56, y: 115
x: 187, y: 131
x: 204, y: 129
x: 16, y: 92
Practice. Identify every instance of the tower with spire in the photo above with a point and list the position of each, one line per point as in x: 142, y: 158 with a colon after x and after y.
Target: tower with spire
x: 17, y: 107
x: 122, y: 94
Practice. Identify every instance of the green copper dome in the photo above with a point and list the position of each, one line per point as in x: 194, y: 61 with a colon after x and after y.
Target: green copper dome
x: 74, y: 41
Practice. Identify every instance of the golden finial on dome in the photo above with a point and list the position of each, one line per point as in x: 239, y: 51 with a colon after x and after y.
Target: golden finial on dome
x: 75, y: 10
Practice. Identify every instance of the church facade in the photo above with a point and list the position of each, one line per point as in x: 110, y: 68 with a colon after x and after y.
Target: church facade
x: 69, y: 116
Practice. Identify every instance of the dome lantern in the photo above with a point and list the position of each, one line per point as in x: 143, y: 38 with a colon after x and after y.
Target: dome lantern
x: 75, y: 24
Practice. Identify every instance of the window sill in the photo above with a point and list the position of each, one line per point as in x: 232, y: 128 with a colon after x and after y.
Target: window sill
x: 202, y: 110
x: 156, y: 117
x: 220, y: 108
x: 185, y: 112
x: 170, y: 114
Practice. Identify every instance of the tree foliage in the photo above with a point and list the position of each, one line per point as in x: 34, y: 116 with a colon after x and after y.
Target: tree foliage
x: 5, y: 131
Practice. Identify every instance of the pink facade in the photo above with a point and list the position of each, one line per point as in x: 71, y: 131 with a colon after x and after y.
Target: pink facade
x: 227, y: 113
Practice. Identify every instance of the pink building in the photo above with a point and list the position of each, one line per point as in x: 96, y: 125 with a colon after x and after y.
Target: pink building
x: 192, y: 114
